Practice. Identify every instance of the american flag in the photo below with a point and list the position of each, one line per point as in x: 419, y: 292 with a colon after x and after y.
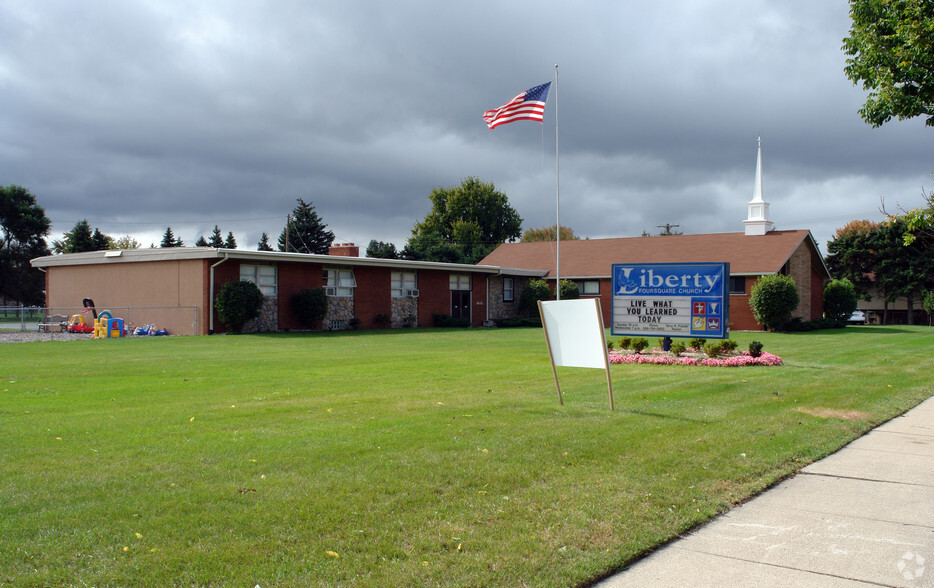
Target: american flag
x: 529, y: 105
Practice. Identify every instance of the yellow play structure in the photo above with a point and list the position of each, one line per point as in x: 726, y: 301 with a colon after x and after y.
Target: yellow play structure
x: 107, y: 327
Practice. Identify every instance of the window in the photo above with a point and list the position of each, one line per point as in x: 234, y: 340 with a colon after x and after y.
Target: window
x: 264, y: 276
x: 403, y: 285
x: 588, y: 287
x: 460, y: 281
x: 509, y: 288
x: 339, y: 282
x: 737, y: 284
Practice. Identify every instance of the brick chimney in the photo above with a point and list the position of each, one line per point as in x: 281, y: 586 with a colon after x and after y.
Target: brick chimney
x: 344, y: 250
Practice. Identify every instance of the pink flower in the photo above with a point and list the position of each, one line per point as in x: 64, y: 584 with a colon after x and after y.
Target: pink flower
x: 766, y: 359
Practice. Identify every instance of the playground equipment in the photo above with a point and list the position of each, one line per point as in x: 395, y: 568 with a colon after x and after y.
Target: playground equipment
x: 77, y: 324
x: 108, y: 327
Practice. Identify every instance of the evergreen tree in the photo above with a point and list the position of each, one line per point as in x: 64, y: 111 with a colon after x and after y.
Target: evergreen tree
x: 230, y: 242
x: 100, y: 241
x: 264, y: 243
x: 217, y: 240
x: 201, y: 242
x: 306, y: 232
x: 169, y: 239
x: 77, y: 240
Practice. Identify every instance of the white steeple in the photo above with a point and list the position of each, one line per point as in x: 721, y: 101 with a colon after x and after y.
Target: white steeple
x: 757, y: 221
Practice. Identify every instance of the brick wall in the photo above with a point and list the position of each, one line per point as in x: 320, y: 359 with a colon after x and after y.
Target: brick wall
x: 799, y: 268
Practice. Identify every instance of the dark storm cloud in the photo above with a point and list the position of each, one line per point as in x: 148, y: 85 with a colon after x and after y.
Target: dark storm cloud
x: 139, y: 116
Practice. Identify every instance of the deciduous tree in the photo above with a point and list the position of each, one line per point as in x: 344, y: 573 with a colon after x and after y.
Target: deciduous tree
x: 465, y: 224
x: 548, y: 234
x: 23, y: 227
x: 891, y: 49
x: 381, y: 250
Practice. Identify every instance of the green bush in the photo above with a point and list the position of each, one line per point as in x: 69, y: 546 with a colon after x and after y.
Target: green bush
x: 382, y: 320
x: 609, y: 345
x: 755, y: 348
x: 713, y: 349
x: 728, y: 345
x: 772, y: 300
x: 238, y: 302
x: 519, y: 322
x: 534, y: 291
x: 839, y: 299
x: 625, y: 342
x: 355, y: 323
x: 310, y: 306
x: 569, y: 290
x: 798, y: 325
x: 639, y: 344
x: 448, y: 321
x: 677, y: 348
x: 698, y: 344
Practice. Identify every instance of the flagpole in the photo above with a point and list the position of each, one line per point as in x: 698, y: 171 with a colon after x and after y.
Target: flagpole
x: 557, y: 200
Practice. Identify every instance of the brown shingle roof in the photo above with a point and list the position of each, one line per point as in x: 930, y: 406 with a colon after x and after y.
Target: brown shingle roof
x: 757, y: 255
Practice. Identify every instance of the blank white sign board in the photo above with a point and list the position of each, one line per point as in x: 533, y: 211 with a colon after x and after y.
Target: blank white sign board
x: 575, y: 336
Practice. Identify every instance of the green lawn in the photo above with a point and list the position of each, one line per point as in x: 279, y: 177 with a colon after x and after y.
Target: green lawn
x: 406, y: 457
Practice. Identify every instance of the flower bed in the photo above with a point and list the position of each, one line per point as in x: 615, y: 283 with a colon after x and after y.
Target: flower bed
x: 742, y: 359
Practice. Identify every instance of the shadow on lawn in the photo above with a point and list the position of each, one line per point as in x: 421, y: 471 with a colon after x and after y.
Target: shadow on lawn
x: 665, y: 416
x: 886, y: 329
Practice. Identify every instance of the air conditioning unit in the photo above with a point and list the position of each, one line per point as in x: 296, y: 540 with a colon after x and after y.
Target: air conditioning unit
x: 412, y: 293
x: 330, y: 290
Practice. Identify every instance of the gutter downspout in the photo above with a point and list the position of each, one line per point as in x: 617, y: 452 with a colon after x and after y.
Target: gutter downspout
x: 211, y: 294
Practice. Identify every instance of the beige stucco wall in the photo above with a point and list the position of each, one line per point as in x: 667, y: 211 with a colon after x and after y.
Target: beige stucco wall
x: 141, y: 293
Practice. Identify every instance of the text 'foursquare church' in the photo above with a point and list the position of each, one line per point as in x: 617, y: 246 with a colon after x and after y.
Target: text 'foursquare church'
x: 175, y: 287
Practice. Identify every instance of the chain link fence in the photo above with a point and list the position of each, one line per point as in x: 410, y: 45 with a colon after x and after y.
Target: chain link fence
x: 69, y: 321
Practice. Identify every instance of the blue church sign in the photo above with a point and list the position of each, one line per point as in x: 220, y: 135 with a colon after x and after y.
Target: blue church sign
x: 671, y: 299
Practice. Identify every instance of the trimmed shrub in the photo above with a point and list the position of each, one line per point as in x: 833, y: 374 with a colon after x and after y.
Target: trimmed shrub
x: 519, y: 322
x: 535, y: 290
x: 698, y: 344
x: 382, y: 320
x: 639, y: 344
x: 609, y: 345
x: 712, y: 350
x: 310, y: 306
x: 677, y: 348
x: 625, y: 342
x: 755, y: 348
x: 238, y: 302
x: 448, y: 321
x: 839, y: 299
x: 569, y: 290
x: 728, y: 345
x: 772, y: 300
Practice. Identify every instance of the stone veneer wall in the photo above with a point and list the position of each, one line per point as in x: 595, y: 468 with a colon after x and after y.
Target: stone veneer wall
x: 499, y: 308
x: 799, y: 268
x: 268, y: 319
x: 340, y: 311
x: 404, y: 312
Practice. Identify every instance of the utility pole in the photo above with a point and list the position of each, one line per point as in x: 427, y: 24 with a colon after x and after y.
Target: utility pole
x: 667, y: 227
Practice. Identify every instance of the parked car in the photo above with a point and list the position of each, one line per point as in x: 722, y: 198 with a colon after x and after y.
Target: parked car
x: 857, y: 318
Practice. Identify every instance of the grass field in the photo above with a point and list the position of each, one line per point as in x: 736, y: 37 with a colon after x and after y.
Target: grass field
x: 405, y: 457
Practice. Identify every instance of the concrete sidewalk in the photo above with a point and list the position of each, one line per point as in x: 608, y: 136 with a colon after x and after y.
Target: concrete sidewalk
x: 863, y: 516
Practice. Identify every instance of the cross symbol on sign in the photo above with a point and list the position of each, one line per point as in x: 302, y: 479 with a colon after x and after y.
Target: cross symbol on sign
x: 699, y: 308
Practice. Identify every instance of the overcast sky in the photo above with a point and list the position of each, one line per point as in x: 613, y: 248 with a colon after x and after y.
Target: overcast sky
x: 141, y: 115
